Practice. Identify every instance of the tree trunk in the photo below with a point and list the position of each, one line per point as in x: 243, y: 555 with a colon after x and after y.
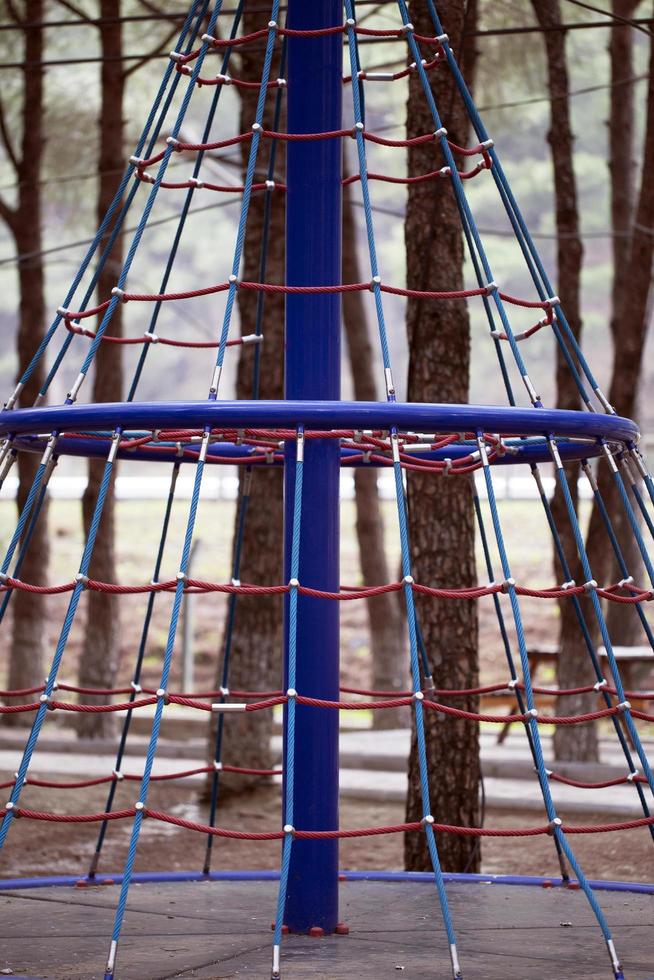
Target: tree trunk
x: 441, y: 509
x: 622, y: 621
x: 29, y: 611
x: 257, y: 641
x: 573, y: 664
x: 632, y: 315
x: 99, y: 658
x: 385, y: 621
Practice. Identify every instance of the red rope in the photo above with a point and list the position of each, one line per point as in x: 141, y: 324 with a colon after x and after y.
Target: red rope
x: 181, y: 147
x: 137, y: 777
x: 396, y: 702
x: 220, y: 43
x: 220, y: 79
x: 149, y: 338
x: 195, y: 586
x: 127, y: 297
x: 364, y: 692
x: 328, y: 834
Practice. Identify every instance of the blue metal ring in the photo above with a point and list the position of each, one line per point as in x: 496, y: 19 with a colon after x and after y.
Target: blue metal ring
x: 416, y: 877
x: 582, y: 432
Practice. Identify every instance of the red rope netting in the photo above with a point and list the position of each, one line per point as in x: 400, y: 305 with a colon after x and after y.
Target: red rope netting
x: 274, y: 835
x: 378, y: 705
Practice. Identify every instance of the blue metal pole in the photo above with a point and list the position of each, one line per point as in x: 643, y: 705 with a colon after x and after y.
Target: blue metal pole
x: 313, y: 328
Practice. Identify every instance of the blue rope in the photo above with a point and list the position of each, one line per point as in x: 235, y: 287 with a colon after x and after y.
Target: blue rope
x: 129, y: 865
x: 508, y: 652
x: 526, y: 673
x: 61, y: 645
x: 401, y: 506
x: 249, y: 471
x: 365, y: 192
x: 247, y: 193
x: 588, y: 641
x: 136, y: 677
x: 544, y: 287
x: 26, y: 540
x: 636, y: 457
x: 172, y: 256
x: 462, y: 201
x: 27, y: 509
x: 136, y: 240
x: 161, y: 700
x: 289, y: 768
x: 106, y: 252
x: 599, y: 615
x: 38, y: 479
x: 636, y: 491
x: 118, y: 196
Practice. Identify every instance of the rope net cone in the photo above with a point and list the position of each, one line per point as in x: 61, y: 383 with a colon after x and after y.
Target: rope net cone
x: 462, y: 442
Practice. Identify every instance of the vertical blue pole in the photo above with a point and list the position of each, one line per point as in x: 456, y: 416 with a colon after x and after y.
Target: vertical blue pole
x: 313, y: 327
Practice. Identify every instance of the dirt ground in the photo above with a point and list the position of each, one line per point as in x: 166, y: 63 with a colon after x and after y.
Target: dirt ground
x: 45, y: 848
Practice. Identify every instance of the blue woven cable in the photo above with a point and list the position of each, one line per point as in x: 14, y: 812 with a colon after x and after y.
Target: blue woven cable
x: 636, y: 491
x: 420, y: 728
x: 289, y: 768
x: 38, y: 479
x: 115, y: 231
x: 172, y: 255
x: 599, y: 616
x: 487, y: 309
x: 121, y: 188
x: 61, y: 645
x: 247, y: 193
x: 635, y: 527
x: 120, y: 910
x: 588, y: 641
x: 513, y: 211
x: 161, y: 699
x: 90, y: 542
x: 524, y: 659
x: 365, y: 193
x: 400, y: 498
x: 457, y: 185
x: 26, y: 540
x: 639, y: 461
x: 136, y: 676
x: 26, y: 511
x: 227, y: 651
x: 509, y: 656
x: 136, y: 240
x: 249, y: 473
x: 131, y: 394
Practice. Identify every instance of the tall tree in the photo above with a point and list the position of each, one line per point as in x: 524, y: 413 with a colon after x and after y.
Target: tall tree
x: 573, y: 663
x: 99, y: 657
x: 633, y: 252
x: 385, y: 621
x: 441, y: 509
x: 631, y: 312
x: 24, y: 222
x: 621, y: 619
x: 256, y: 642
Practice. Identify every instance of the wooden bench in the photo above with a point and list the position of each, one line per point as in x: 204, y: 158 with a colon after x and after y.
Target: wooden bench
x: 636, y: 665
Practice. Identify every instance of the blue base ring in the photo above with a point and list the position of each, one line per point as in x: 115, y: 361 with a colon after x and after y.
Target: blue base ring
x: 418, y: 877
